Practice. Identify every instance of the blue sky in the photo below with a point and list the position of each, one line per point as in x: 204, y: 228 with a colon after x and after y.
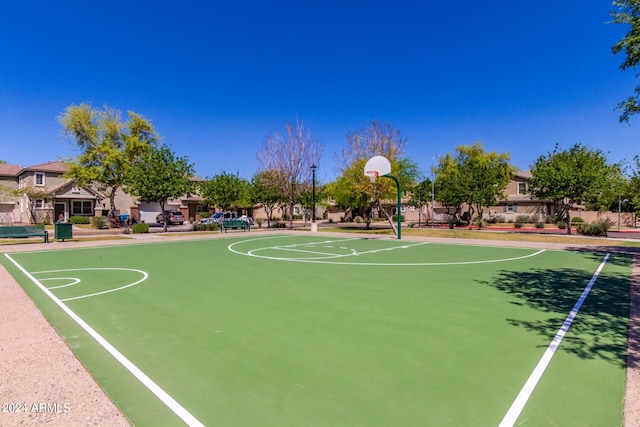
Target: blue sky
x: 216, y: 77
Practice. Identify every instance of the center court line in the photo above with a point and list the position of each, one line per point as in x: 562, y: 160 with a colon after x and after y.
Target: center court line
x: 164, y: 397
x: 518, y: 405
x: 292, y: 248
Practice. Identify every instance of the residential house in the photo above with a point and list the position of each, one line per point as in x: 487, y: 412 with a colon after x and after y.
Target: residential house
x: 41, y: 193
x: 520, y: 202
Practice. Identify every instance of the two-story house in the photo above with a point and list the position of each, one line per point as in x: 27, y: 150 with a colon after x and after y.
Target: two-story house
x: 41, y: 193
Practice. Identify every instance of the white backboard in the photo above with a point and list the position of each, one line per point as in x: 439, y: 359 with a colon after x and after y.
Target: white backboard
x: 377, y: 164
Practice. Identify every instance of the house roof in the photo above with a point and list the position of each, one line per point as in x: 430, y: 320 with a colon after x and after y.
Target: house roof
x: 66, y: 184
x: 10, y: 170
x: 524, y: 174
x: 56, y: 166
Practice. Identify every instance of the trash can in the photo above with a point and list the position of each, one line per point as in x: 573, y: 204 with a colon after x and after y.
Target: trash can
x: 63, y: 231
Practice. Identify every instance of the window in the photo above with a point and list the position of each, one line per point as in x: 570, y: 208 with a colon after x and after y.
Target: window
x: 39, y: 204
x: 511, y: 208
x: 38, y: 179
x: 81, y: 207
x: 522, y: 188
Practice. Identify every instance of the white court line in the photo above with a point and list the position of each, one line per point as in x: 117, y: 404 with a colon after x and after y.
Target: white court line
x: 74, y: 281
x: 291, y: 248
x: 319, y: 260
x: 145, y: 276
x: 518, y: 405
x: 169, y: 401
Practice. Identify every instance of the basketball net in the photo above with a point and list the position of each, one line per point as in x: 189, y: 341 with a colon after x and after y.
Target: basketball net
x: 373, y: 175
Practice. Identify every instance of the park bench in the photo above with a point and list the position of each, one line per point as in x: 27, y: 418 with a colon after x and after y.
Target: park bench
x: 19, y: 231
x: 235, y: 223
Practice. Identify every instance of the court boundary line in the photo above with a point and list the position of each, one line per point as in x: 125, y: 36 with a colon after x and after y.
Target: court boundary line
x: 521, y: 400
x: 151, y: 385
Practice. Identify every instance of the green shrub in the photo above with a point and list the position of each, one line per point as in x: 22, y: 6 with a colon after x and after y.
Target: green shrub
x: 523, y: 219
x: 577, y: 220
x: 259, y: 223
x: 140, y: 228
x: 518, y: 225
x: 539, y: 224
x: 99, y: 222
x: 79, y: 220
x: 358, y: 219
x: 204, y: 215
x: 395, y: 218
x: 496, y: 219
x: 597, y: 229
x: 562, y: 225
x: 534, y: 218
x: 206, y: 227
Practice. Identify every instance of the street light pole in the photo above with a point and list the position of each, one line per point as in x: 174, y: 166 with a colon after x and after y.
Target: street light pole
x: 313, y: 192
x: 433, y: 188
x: 620, y: 202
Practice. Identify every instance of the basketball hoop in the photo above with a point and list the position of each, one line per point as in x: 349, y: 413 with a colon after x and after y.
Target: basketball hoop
x: 373, y: 175
x: 377, y: 166
x: 380, y: 166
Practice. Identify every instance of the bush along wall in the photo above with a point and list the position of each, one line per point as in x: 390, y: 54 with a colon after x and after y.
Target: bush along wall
x: 140, y: 228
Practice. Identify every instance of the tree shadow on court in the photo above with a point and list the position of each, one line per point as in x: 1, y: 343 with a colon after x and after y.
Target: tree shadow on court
x: 599, y: 330
x: 619, y: 255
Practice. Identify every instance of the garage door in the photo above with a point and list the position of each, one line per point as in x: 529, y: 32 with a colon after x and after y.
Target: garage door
x: 149, y: 211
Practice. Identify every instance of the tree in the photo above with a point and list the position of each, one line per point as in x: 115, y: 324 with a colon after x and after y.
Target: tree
x: 450, y: 185
x: 266, y: 191
x: 226, y: 191
x: 420, y: 196
x: 634, y: 187
x: 291, y: 154
x: 160, y: 176
x: 628, y: 13
x: 570, y: 177
x: 373, y: 140
x: 473, y: 177
x: 108, y: 146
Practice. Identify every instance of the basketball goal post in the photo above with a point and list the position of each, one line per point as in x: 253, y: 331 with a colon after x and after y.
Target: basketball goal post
x: 379, y: 166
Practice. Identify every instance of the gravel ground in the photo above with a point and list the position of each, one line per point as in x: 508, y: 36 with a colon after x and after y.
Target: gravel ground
x: 42, y: 382
x: 47, y: 385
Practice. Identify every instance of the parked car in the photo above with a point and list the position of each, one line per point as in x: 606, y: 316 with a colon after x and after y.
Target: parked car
x: 173, y: 217
x: 247, y: 219
x: 218, y: 217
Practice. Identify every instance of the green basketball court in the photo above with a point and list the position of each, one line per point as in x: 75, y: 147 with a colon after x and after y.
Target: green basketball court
x: 293, y: 330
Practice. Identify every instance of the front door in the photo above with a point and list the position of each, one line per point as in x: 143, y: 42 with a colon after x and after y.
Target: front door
x: 59, y: 209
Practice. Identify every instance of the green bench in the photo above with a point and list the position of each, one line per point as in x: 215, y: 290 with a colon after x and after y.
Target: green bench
x: 234, y: 224
x: 17, y: 231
